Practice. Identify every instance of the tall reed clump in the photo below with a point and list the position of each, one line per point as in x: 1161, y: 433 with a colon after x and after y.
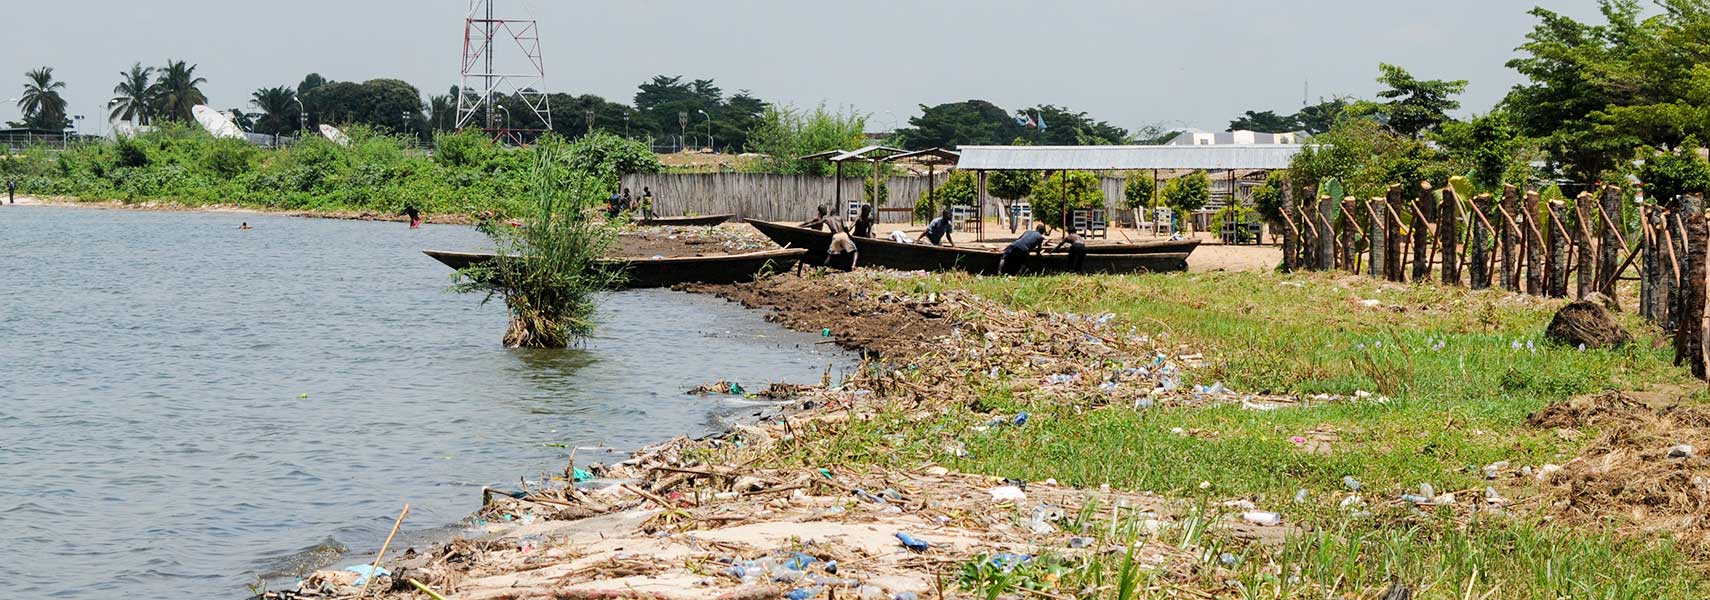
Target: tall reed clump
x: 548, y: 270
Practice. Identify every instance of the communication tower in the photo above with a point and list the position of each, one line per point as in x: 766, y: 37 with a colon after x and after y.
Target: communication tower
x: 503, y: 73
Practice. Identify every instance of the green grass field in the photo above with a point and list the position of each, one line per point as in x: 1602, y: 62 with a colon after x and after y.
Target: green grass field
x: 1461, y: 372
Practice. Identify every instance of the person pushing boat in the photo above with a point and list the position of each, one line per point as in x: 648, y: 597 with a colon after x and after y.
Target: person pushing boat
x: 414, y: 215
x: 1015, y: 256
x: 832, y: 224
x: 843, y: 253
x: 1077, y: 250
x: 938, y: 231
x: 864, y: 223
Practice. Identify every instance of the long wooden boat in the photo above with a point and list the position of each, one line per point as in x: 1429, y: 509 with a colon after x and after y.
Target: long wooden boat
x: 881, y: 252
x: 702, y: 221
x: 667, y: 272
x: 1144, y: 247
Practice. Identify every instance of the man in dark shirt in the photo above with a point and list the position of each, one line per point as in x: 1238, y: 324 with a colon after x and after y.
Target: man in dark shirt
x: 1015, y: 256
x: 11, y: 191
x: 938, y: 230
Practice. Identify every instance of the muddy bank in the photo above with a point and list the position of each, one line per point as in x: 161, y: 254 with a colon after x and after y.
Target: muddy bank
x: 751, y: 513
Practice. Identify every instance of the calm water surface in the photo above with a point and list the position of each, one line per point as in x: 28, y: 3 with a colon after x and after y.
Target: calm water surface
x: 184, y: 406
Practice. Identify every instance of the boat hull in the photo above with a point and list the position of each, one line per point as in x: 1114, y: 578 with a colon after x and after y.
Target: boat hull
x: 703, y: 221
x: 667, y: 272
x: 925, y: 257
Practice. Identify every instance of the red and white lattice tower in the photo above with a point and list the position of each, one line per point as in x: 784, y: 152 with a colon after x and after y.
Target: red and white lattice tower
x: 502, y: 73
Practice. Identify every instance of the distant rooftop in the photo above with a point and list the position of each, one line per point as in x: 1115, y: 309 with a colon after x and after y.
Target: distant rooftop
x: 1195, y: 137
x: 1121, y: 158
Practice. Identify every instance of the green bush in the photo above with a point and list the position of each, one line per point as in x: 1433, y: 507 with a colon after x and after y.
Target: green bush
x: 960, y: 189
x: 1189, y: 192
x: 227, y: 158
x: 462, y: 149
x: 1139, y: 192
x: 1268, y: 198
x: 1064, y: 191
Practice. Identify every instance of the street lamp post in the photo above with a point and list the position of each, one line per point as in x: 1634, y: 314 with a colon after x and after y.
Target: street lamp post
x: 107, y: 116
x: 507, y: 115
x: 77, y: 125
x: 682, y: 129
x: 588, y: 115
x: 302, y: 118
x: 710, y: 142
x: 626, y: 127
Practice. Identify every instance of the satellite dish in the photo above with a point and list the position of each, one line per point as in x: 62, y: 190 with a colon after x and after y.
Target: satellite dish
x: 332, y: 133
x: 217, y: 123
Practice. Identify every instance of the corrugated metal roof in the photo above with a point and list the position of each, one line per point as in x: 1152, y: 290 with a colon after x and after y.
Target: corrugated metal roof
x: 1121, y: 158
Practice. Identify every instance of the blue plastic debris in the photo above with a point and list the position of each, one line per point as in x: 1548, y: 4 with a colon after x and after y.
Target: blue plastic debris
x: 367, y: 571
x: 1020, y: 419
x: 912, y: 543
x: 803, y: 593
x: 1008, y: 561
x: 579, y: 475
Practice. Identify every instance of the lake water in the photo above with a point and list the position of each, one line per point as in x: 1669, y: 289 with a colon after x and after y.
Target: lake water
x: 184, y: 406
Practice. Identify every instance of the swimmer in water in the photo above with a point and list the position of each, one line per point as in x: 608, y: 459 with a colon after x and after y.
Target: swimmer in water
x: 245, y: 225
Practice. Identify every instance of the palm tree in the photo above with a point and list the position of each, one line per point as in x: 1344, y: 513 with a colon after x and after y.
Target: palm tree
x: 443, y: 111
x: 133, y: 95
x: 278, y: 110
x: 177, y: 91
x: 41, y: 103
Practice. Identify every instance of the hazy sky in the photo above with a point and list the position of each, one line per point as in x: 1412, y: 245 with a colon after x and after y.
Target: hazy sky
x: 1178, y: 63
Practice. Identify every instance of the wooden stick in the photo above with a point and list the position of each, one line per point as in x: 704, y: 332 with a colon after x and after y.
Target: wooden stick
x: 374, y: 567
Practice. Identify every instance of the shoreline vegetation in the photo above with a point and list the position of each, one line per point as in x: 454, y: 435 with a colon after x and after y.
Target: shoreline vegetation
x: 1206, y: 435
x: 375, y: 176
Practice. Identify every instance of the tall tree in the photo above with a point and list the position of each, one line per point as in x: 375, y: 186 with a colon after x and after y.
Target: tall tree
x: 42, y: 105
x: 1415, y: 105
x: 177, y: 91
x: 1320, y: 117
x: 279, y: 111
x: 442, y: 111
x: 972, y: 122
x: 310, y: 82
x: 133, y: 96
x: 1266, y: 122
x: 1058, y: 126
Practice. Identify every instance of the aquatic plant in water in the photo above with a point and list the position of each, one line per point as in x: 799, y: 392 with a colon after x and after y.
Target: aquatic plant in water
x: 547, y: 270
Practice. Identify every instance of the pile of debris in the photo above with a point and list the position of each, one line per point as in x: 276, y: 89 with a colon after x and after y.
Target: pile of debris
x: 1645, y: 467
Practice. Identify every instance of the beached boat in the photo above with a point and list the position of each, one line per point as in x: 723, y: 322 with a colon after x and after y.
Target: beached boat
x: 666, y: 272
x: 881, y: 252
x: 702, y: 221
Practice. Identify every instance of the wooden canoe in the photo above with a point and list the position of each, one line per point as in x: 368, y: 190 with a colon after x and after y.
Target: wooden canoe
x: 880, y: 252
x: 667, y: 272
x: 703, y: 221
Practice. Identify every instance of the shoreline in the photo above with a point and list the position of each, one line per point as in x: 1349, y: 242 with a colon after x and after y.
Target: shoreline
x: 733, y: 504
x: 170, y: 206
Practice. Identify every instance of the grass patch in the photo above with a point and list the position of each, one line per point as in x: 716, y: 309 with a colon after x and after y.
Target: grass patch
x: 1461, y: 371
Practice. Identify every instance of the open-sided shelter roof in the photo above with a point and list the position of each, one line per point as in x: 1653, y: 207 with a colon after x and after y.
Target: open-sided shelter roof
x: 1124, y: 158
x: 932, y: 156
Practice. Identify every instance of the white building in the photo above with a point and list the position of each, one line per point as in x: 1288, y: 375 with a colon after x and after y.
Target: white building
x: 1195, y: 137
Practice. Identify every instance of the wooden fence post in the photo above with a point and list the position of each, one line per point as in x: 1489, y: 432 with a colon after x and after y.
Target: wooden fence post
x: 1379, y: 237
x: 1689, y: 338
x: 1510, y: 239
x: 1350, y: 237
x: 1449, y: 234
x: 1586, y: 219
x: 1534, y: 244
x: 1650, y: 275
x: 1392, y: 253
x: 1327, y: 234
x: 1558, y: 259
x: 1480, y: 259
x: 1291, y: 234
x: 1610, y: 247
x: 1422, y: 232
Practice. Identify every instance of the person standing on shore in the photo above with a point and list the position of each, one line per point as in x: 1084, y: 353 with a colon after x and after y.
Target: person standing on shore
x: 11, y: 191
x: 415, y: 216
x: 646, y: 203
